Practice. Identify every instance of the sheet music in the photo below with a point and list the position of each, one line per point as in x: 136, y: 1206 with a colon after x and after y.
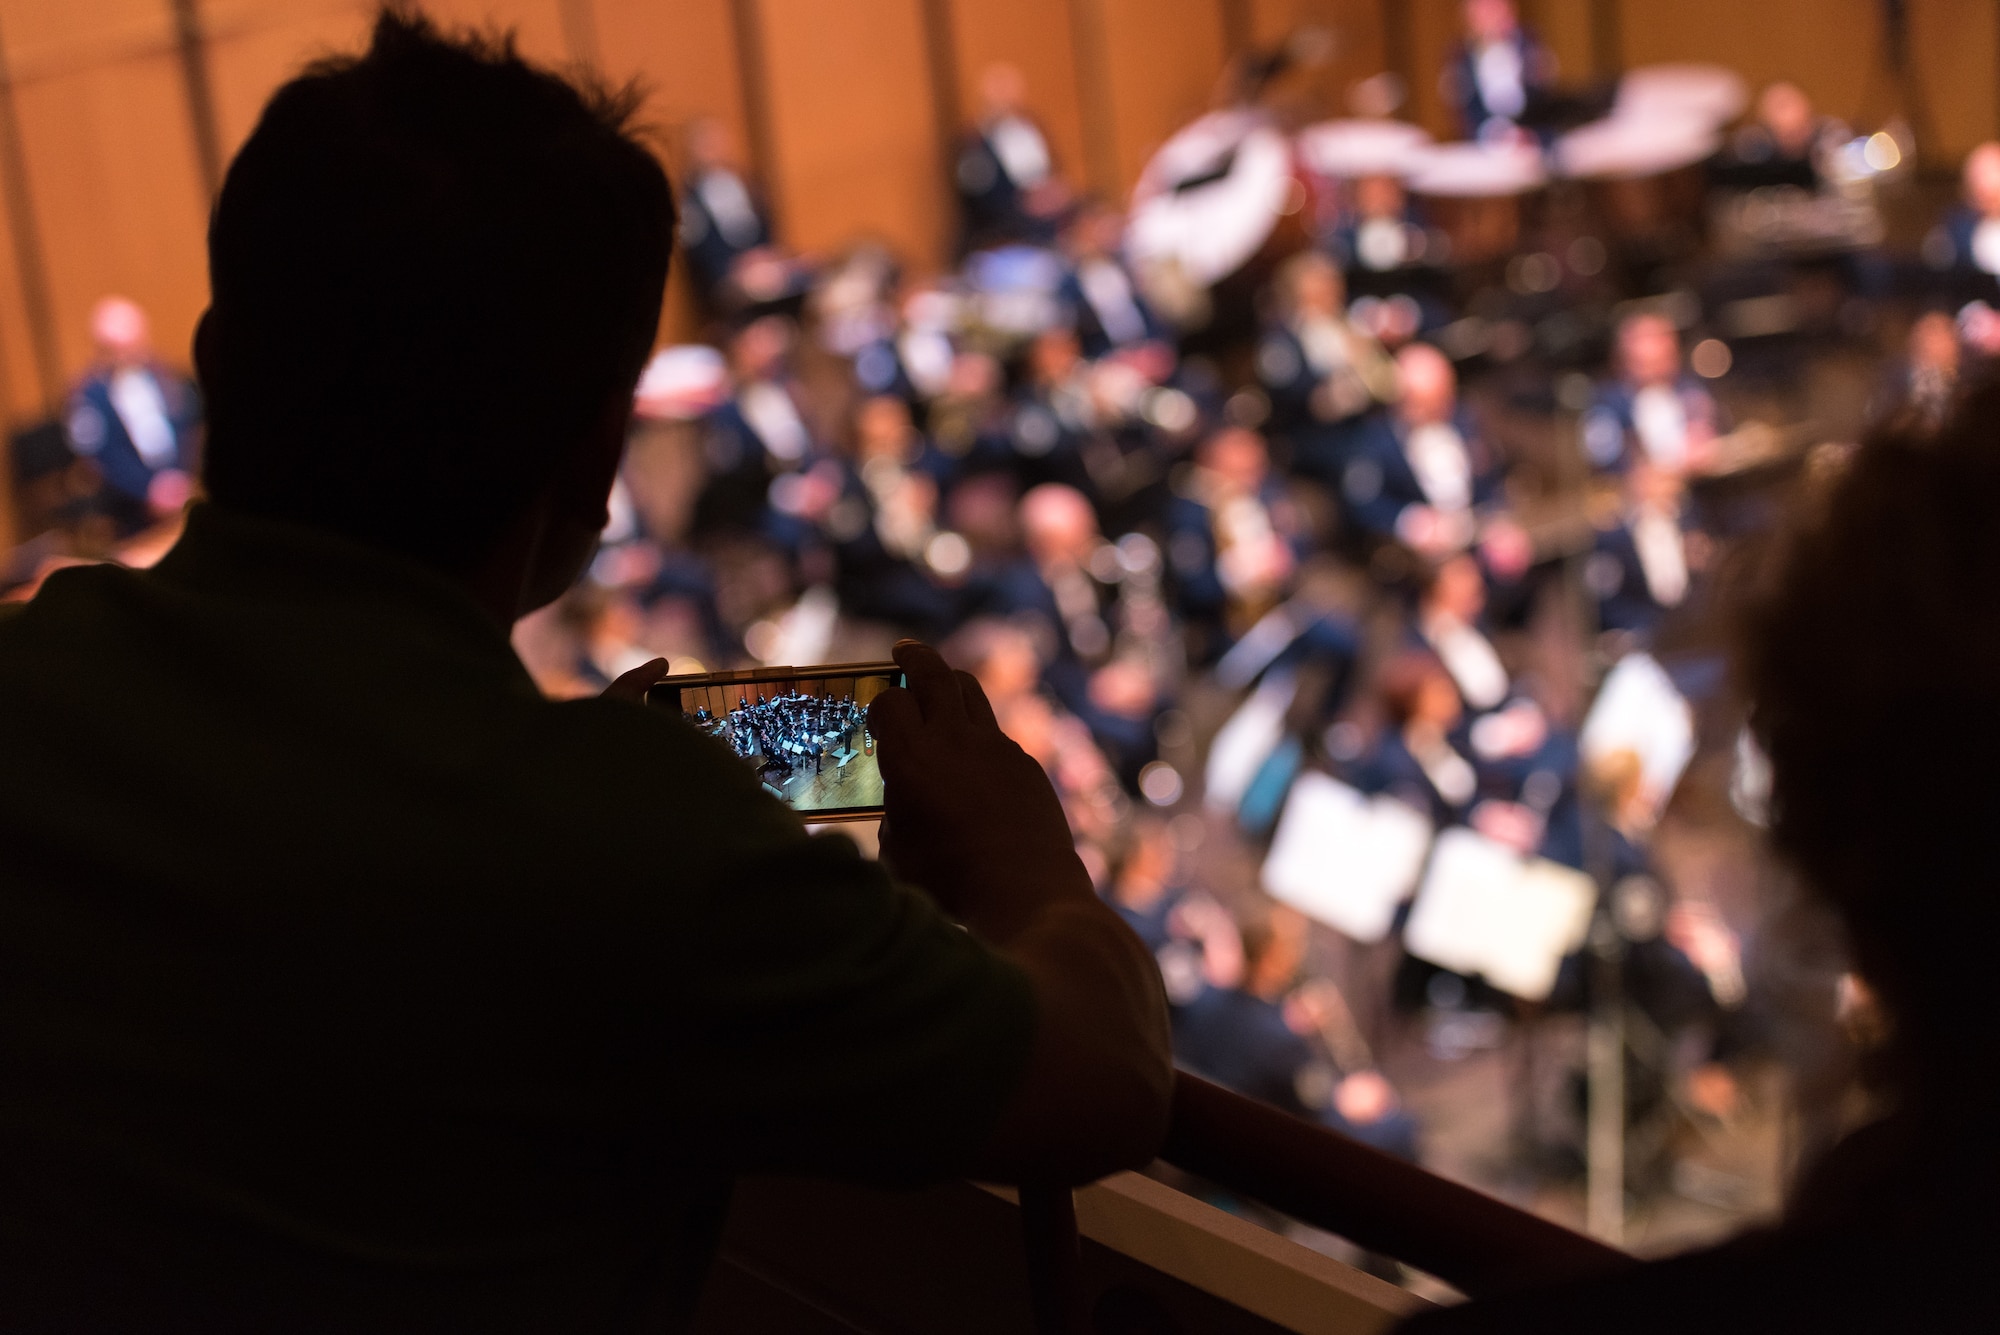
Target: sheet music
x: 1638, y: 710
x: 1344, y: 859
x: 1484, y: 909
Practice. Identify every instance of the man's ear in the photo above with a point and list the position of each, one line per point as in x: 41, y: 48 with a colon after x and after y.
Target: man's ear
x: 583, y: 482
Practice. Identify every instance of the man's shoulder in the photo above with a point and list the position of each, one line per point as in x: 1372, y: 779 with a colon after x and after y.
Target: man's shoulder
x: 627, y: 762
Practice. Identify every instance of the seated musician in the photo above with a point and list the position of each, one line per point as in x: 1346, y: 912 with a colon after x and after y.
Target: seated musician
x: 1781, y: 145
x: 1655, y: 408
x: 1062, y: 586
x: 1319, y: 370
x: 1189, y: 934
x: 1646, y: 557
x: 883, y: 527
x: 1234, y: 538
x: 1417, y: 758
x: 1289, y: 1041
x: 1054, y: 417
x: 757, y: 433
x: 1005, y: 174
x: 1921, y: 387
x: 1111, y: 315
x: 1526, y: 765
x: 136, y: 422
x: 1420, y: 472
x: 1496, y: 74
x: 726, y: 229
x: 1388, y: 253
x: 1965, y: 248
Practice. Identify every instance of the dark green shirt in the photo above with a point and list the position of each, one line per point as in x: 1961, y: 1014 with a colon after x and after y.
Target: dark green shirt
x: 348, y: 983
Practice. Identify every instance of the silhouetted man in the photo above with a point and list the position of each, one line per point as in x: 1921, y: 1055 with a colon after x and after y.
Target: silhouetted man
x: 349, y: 984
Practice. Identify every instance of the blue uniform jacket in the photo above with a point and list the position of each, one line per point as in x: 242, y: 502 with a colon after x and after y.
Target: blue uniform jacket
x: 1377, y: 481
x: 95, y: 432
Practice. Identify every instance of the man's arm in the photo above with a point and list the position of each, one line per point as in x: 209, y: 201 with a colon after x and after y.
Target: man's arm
x: 974, y: 820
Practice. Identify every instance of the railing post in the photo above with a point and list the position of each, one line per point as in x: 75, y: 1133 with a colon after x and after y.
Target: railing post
x: 1055, y: 1259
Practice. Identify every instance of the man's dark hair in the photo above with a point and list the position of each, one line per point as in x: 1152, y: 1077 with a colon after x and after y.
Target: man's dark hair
x: 434, y: 268
x: 1873, y: 666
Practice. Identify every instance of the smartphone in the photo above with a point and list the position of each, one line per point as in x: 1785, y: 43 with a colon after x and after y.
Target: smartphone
x: 802, y: 730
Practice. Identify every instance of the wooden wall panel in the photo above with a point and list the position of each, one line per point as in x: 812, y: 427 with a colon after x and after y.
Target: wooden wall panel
x: 256, y: 45
x: 1827, y: 47
x: 48, y: 37
x: 1359, y: 50
x: 1433, y: 29
x: 1038, y: 37
x: 536, y: 24
x: 1955, y: 45
x: 1566, y: 27
x: 1163, y: 59
x: 117, y: 190
x: 853, y: 126
x: 21, y: 397
x: 685, y: 55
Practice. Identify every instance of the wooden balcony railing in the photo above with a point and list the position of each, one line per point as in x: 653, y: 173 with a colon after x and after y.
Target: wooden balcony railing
x: 1477, y: 1244
x: 1129, y: 1253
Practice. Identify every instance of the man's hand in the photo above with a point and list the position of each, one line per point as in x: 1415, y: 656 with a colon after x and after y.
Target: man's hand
x: 633, y: 685
x: 974, y: 820
x: 970, y: 816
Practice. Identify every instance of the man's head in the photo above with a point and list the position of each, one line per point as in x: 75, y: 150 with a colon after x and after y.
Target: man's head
x: 1934, y: 342
x: 709, y: 145
x: 1787, y: 114
x: 1381, y: 195
x: 1981, y: 178
x: 1457, y: 589
x: 1310, y: 287
x: 1490, y: 20
x: 1096, y: 232
x: 1275, y: 937
x: 121, y: 332
x: 1429, y: 386
x: 1237, y: 460
x: 1873, y: 667
x: 436, y: 273
x: 1057, y: 524
x: 883, y: 429
x: 1415, y: 688
x: 1649, y: 349
x: 1002, y: 90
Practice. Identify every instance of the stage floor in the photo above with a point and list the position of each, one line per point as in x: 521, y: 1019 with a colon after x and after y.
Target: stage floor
x: 858, y: 783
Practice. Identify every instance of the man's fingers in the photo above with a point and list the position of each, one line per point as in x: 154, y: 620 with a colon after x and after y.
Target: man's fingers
x: 633, y: 685
x: 895, y: 719
x: 977, y: 707
x: 931, y: 680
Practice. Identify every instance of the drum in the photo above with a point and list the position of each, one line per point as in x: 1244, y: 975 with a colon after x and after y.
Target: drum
x: 1708, y: 93
x: 1213, y: 196
x: 1642, y: 169
x: 1475, y: 191
x: 1346, y: 149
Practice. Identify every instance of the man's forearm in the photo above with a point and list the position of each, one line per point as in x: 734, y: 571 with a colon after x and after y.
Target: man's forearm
x: 1096, y: 1095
